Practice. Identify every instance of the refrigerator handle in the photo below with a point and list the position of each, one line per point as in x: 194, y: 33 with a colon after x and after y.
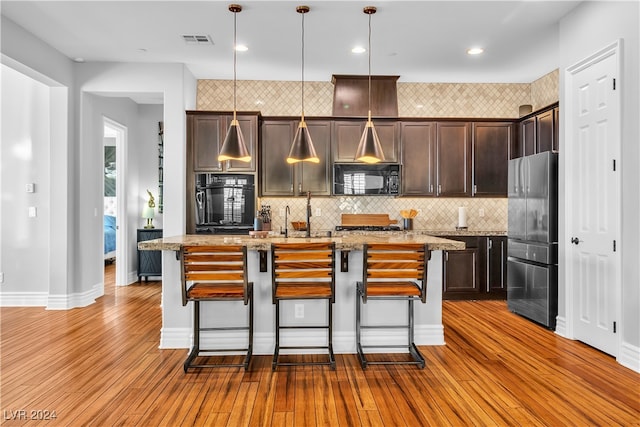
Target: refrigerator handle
x: 489, y: 246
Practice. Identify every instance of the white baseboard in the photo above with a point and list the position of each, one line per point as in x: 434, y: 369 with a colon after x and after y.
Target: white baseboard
x: 175, y: 338
x: 561, y: 326
x: 83, y: 299
x: 51, y: 302
x: 23, y: 299
x: 263, y: 343
x: 629, y: 356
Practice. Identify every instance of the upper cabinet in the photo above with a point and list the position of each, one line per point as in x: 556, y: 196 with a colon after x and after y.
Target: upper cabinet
x: 418, y: 146
x: 453, y: 156
x: 279, y: 178
x: 491, y: 144
x: 538, y: 133
x: 205, y: 134
x: 345, y: 136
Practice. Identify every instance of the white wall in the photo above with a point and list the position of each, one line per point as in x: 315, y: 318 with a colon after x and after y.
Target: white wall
x: 178, y: 87
x: 147, y: 145
x: 25, y: 158
x: 584, y: 31
x: 90, y: 265
x: 23, y: 52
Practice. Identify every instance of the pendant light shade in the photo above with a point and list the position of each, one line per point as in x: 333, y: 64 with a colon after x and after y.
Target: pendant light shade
x: 302, y: 149
x: 369, y: 149
x: 233, y: 147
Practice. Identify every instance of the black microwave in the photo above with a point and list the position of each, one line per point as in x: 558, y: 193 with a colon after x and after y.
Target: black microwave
x: 365, y: 179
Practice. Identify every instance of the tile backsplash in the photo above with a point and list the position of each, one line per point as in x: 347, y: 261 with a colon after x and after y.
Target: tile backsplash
x: 282, y: 98
x: 438, y: 214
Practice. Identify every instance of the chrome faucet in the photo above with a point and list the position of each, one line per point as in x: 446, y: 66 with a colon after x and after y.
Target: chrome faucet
x: 287, y: 211
x: 308, y: 214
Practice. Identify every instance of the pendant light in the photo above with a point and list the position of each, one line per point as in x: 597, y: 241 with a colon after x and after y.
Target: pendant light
x: 369, y: 149
x: 302, y: 149
x: 233, y: 147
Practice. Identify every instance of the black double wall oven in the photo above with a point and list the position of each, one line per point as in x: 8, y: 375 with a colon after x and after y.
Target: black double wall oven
x: 224, y: 203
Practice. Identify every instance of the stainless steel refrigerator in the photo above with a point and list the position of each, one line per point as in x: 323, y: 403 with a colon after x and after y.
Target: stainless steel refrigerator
x: 532, y: 262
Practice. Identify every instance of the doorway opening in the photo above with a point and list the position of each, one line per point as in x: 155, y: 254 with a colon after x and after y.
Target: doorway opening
x: 114, y: 179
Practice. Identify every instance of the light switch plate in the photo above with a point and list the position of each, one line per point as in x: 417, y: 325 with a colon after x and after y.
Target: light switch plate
x: 1, y: 277
x: 31, y: 188
x: 33, y: 212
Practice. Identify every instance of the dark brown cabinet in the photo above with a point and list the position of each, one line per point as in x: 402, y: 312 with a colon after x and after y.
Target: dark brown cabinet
x: 461, y: 271
x: 494, y: 269
x: 544, y: 131
x: 205, y: 134
x: 491, y: 143
x: 478, y: 272
x: 278, y: 178
x: 538, y: 133
x: 528, y: 136
x: 418, y: 145
x: 345, y: 136
x: 453, y: 156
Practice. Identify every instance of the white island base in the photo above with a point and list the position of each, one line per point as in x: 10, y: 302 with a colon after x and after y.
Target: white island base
x: 428, y: 316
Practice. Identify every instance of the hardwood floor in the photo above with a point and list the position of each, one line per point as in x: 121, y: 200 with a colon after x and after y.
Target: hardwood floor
x: 100, y: 365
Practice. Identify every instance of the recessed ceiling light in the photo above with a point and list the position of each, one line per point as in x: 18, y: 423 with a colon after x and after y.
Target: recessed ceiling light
x: 358, y: 49
x: 475, y: 51
x: 78, y: 59
x: 241, y: 48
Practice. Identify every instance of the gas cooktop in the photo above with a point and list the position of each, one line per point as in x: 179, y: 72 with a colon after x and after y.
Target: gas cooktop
x: 367, y: 228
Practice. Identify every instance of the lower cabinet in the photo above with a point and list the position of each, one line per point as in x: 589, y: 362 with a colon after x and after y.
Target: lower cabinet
x: 149, y: 262
x: 478, y: 272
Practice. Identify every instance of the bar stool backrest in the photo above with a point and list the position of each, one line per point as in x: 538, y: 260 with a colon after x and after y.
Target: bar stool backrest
x: 303, y: 263
x: 214, y: 265
x: 393, y: 263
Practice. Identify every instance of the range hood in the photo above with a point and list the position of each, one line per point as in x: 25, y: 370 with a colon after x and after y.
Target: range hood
x: 351, y: 95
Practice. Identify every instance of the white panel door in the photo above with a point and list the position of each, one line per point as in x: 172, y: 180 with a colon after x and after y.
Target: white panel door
x: 593, y: 202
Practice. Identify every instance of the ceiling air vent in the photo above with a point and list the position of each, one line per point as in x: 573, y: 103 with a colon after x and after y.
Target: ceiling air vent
x: 196, y: 39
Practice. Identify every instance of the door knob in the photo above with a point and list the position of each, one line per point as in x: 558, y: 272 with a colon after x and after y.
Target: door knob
x: 575, y: 240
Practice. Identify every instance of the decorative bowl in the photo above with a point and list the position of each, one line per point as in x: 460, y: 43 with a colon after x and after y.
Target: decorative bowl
x: 299, y: 225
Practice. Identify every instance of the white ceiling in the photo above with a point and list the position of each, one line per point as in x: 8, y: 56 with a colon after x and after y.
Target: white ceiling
x: 422, y: 41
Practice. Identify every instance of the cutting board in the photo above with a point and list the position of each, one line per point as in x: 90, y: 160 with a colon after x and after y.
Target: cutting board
x: 367, y: 219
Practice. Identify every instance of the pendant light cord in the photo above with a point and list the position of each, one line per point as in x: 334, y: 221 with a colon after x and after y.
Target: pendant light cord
x: 235, y: 52
x: 369, y: 67
x: 302, y: 72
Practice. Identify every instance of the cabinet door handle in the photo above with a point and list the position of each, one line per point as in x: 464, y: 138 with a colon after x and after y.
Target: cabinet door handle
x: 446, y: 256
x: 299, y: 187
x: 488, y: 264
x: 431, y: 188
x: 291, y: 187
x: 439, y: 189
x: 475, y: 189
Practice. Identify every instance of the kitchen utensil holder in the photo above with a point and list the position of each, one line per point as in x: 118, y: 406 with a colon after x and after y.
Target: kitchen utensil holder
x: 407, y: 224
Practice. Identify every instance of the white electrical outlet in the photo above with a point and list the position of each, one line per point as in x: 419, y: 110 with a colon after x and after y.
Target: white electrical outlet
x: 299, y: 311
x: 281, y: 213
x: 481, y: 213
x: 1, y: 277
x: 318, y: 212
x: 33, y: 212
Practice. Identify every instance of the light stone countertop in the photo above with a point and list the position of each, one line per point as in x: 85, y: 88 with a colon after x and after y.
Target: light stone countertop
x: 352, y: 241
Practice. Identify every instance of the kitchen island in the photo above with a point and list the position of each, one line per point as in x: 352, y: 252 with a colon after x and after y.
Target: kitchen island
x: 428, y: 316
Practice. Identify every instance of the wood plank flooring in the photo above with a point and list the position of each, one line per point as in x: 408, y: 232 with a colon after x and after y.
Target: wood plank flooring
x: 100, y: 365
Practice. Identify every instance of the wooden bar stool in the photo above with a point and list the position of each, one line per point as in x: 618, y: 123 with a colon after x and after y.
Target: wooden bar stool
x: 392, y: 271
x: 216, y: 273
x: 303, y: 271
